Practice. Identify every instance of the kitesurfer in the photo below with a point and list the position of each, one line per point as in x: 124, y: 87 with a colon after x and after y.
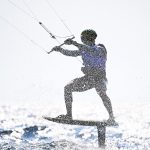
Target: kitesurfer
x: 94, y: 68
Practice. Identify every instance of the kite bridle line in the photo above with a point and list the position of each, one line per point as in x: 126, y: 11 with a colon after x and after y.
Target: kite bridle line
x: 35, y: 18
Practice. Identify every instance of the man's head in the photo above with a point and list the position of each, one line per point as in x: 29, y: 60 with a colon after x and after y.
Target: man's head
x: 88, y: 36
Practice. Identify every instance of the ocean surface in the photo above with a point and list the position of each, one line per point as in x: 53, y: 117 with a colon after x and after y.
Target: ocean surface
x: 23, y: 128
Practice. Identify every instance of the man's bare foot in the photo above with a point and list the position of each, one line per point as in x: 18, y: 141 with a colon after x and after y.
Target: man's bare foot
x: 65, y: 117
x: 112, y: 122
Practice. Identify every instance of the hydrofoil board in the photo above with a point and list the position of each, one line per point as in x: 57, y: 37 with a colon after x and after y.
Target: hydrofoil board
x: 78, y: 122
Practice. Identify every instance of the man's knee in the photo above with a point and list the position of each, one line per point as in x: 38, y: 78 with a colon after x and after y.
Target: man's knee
x: 102, y: 93
x: 68, y: 88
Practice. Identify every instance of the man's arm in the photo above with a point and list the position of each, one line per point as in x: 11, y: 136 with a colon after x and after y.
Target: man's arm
x: 78, y: 45
x: 73, y: 53
x: 85, y: 47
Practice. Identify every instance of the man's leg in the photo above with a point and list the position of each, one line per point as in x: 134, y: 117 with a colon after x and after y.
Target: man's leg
x: 68, y: 99
x: 77, y: 85
x: 101, y: 90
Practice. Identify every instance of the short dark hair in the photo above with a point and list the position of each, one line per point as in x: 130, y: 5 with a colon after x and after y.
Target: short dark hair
x: 89, y: 35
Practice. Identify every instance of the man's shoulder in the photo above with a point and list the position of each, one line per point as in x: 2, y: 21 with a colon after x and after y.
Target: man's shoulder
x: 101, y: 45
x: 102, y: 48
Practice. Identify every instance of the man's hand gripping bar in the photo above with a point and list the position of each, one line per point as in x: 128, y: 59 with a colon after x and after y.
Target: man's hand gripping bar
x: 61, y: 45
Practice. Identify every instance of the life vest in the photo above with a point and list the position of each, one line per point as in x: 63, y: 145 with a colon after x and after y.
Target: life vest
x: 95, y: 58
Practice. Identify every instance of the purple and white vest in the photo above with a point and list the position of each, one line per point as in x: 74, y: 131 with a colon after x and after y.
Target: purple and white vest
x: 96, y: 58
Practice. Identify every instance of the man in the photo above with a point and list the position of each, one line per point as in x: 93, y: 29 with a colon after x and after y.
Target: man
x: 94, y: 61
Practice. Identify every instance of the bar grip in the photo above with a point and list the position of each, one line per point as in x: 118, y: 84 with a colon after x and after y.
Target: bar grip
x: 61, y: 45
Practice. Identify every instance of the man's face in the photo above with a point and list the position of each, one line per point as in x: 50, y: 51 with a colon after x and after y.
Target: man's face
x: 85, y: 40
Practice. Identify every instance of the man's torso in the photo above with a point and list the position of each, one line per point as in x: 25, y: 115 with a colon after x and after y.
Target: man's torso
x: 94, y: 61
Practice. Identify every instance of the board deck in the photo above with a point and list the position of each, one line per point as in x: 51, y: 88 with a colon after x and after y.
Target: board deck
x: 78, y: 122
